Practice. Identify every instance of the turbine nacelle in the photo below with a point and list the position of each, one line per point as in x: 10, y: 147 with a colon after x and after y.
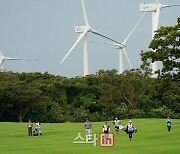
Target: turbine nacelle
x: 152, y: 7
x: 119, y: 46
x: 81, y: 29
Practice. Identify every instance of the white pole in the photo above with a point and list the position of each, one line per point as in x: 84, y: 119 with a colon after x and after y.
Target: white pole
x: 85, y: 55
x: 155, y: 20
x: 120, y: 62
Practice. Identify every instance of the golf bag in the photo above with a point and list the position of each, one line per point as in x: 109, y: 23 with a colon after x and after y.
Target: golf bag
x: 35, y: 132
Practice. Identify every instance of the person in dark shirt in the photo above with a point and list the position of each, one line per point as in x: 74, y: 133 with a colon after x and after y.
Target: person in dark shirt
x: 106, y: 130
x: 130, y: 129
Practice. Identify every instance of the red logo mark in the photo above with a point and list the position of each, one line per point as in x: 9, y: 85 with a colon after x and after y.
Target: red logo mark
x: 106, y: 140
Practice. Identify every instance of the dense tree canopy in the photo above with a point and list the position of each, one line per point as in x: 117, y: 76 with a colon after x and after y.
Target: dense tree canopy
x: 100, y: 96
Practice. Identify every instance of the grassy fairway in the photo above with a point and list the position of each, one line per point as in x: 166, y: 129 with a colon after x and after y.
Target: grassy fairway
x: 152, y: 138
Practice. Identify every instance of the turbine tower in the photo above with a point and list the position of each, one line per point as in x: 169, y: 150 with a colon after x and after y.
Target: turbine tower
x: 155, y: 8
x: 84, y: 30
x: 3, y: 58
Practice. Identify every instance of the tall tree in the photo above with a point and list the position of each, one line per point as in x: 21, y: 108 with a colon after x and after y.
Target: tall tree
x: 166, y: 44
x: 26, y: 97
x: 133, y: 87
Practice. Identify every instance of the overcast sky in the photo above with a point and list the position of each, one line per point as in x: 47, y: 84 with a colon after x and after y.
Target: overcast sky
x: 44, y: 30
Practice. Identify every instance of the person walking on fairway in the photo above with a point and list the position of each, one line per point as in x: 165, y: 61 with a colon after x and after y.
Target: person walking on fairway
x: 88, y: 129
x: 38, y: 127
x: 130, y: 129
x: 29, y: 125
x: 169, y: 123
x: 106, y: 130
x: 116, y: 125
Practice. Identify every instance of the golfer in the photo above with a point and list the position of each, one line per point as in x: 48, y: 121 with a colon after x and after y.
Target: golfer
x: 38, y: 127
x: 169, y: 123
x: 88, y: 129
x: 116, y: 125
x: 106, y: 130
x: 130, y: 129
x: 29, y: 125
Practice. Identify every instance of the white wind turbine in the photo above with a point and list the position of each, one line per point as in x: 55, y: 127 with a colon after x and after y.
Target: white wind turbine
x: 155, y: 8
x: 121, y: 47
x: 84, y: 30
x: 3, y: 58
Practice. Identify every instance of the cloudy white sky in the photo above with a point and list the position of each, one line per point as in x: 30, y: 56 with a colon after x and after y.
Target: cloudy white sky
x: 44, y: 30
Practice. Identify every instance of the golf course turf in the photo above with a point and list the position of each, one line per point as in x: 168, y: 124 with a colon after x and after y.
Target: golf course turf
x: 152, y: 137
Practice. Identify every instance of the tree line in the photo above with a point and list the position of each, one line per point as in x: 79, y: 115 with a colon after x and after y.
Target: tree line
x: 100, y: 96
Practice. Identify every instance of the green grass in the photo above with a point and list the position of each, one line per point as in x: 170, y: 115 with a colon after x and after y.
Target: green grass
x: 152, y: 138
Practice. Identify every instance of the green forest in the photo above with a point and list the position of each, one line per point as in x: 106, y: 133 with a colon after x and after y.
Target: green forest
x: 101, y: 96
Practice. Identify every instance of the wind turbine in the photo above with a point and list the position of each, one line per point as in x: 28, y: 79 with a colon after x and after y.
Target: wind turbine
x: 155, y: 8
x: 3, y: 58
x: 84, y: 30
x: 121, y: 47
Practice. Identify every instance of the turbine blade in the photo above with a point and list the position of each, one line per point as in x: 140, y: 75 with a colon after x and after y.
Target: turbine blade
x: 32, y: 60
x: 127, y: 57
x: 8, y: 58
x: 134, y: 28
x: 169, y: 6
x: 77, y: 41
x: 102, y: 42
x: 97, y: 33
x: 84, y: 13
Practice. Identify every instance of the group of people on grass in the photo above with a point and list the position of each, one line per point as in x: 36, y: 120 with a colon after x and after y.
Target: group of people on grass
x: 37, y: 130
x: 129, y: 128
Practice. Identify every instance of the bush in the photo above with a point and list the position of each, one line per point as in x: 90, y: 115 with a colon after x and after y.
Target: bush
x: 95, y: 117
x: 55, y: 113
x: 136, y: 114
x: 122, y: 111
x: 80, y: 114
x: 161, y: 112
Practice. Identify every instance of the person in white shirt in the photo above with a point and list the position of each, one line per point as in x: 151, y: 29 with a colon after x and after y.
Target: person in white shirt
x: 88, y: 129
x: 130, y: 129
x: 116, y: 125
x: 38, y: 127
